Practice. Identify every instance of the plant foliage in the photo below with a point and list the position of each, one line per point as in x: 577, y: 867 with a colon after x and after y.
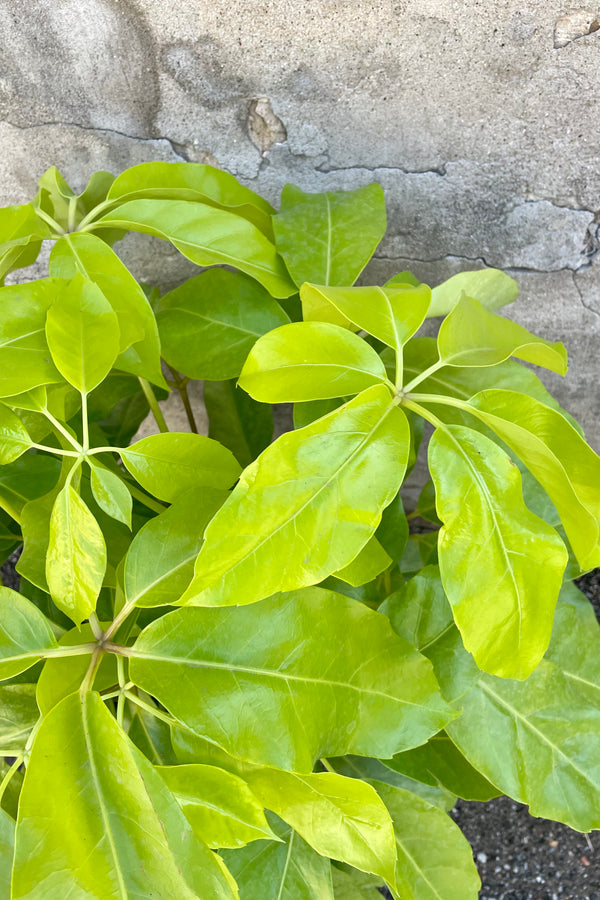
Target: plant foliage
x: 230, y: 670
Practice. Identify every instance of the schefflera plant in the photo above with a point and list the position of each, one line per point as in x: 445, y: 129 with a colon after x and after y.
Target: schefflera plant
x: 230, y: 670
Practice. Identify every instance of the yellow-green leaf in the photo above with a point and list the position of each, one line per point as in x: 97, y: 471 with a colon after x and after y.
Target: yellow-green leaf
x: 309, y: 361
x: 342, y: 818
x: 256, y: 684
x: 391, y: 314
x: 307, y: 505
x: 501, y: 566
x: 472, y: 336
x: 76, y: 558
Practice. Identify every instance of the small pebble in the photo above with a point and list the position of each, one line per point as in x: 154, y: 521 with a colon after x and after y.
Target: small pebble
x: 482, y: 858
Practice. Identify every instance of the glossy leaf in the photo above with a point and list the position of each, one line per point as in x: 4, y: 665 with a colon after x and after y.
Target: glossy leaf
x: 14, y: 439
x: 502, y: 587
x: 294, y: 510
x: 237, y: 421
x: 209, y: 324
x: 329, y: 238
x: 21, y: 235
x: 391, y: 314
x: 440, y: 763
x: 76, y: 558
x: 370, y: 562
x: 24, y: 634
x: 33, y: 400
x: 341, y: 818
x: 392, y: 532
x: 18, y: 715
x: 269, y: 699
x: 538, y: 739
x: 111, y: 494
x: 125, y: 835
x: 219, y: 806
x: 63, y: 675
x: 419, y: 610
x: 152, y: 736
x: 35, y: 525
x: 349, y: 882
x: 54, y: 198
x: 557, y: 456
x: 7, y: 846
x: 435, y: 861
x: 83, y: 334
x: 472, y: 336
x: 166, y: 465
x: 491, y: 287
x: 421, y: 352
x: 207, y: 236
x: 308, y: 412
x: 91, y: 257
x: 378, y: 770
x: 284, y: 870
x: 310, y: 361
x: 422, y: 615
x: 24, y: 357
x: 192, y: 181
x: 160, y: 562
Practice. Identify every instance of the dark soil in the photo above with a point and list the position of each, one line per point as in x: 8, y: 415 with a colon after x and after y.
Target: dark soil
x: 520, y: 857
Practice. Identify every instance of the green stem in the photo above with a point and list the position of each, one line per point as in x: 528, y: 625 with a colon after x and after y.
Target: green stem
x: 117, y: 649
x: 55, y: 450
x: 151, y: 709
x: 155, y: 505
x: 387, y: 582
x: 71, y: 473
x: 118, y: 620
x: 148, y: 501
x: 59, y: 427
x: 422, y: 376
x: 7, y: 778
x: 327, y: 765
x: 181, y: 384
x: 72, y: 213
x: 88, y: 681
x: 85, y: 423
x: 446, y: 401
x: 98, y: 211
x: 54, y: 652
x: 153, y: 404
x: 50, y: 221
x: 93, y: 450
x: 399, y: 368
x: 121, y: 700
x: 424, y: 413
x: 95, y: 626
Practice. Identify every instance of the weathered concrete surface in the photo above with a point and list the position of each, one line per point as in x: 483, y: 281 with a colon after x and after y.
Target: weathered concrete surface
x: 479, y: 119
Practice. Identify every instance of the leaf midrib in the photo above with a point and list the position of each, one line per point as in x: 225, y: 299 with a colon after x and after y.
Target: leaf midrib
x: 528, y: 724
x: 100, y: 797
x: 488, y: 499
x: 310, y: 499
x: 136, y: 653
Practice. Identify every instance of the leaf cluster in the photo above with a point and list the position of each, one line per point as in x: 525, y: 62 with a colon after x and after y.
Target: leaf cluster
x: 231, y: 670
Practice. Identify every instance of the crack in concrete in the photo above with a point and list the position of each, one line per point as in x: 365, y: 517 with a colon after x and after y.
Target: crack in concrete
x: 328, y: 170
x: 527, y: 270
x: 174, y: 145
x: 581, y: 300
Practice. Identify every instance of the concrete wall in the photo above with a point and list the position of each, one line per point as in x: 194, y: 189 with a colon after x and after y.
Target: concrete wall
x: 480, y: 118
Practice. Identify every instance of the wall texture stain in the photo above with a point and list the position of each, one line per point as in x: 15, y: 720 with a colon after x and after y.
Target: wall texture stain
x: 479, y: 119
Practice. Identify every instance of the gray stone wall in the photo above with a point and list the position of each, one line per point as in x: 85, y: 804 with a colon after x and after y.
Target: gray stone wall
x: 480, y: 118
